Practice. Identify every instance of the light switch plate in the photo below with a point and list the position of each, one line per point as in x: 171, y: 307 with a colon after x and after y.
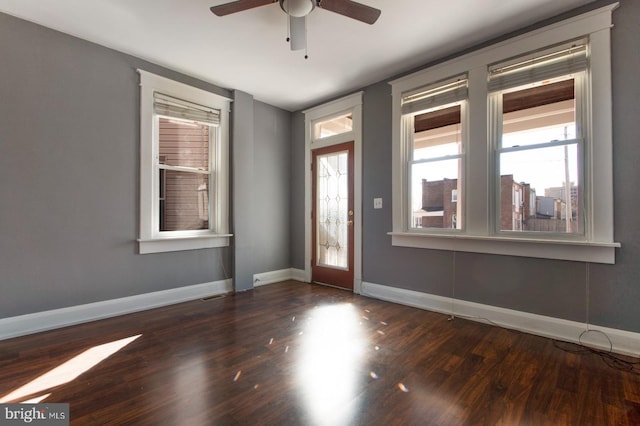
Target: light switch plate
x: 377, y: 203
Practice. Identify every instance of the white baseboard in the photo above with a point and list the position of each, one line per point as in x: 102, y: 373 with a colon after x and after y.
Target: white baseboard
x: 271, y: 277
x: 622, y: 342
x: 48, y: 320
x: 298, y: 275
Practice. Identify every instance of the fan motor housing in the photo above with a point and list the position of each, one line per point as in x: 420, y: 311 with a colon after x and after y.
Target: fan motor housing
x: 297, y: 8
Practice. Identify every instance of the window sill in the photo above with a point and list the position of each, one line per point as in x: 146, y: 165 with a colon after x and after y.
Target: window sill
x: 167, y: 244
x: 581, y: 251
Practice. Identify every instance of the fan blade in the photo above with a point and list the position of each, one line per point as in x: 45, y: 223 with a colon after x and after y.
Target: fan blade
x: 298, y: 29
x: 238, y: 6
x: 351, y: 9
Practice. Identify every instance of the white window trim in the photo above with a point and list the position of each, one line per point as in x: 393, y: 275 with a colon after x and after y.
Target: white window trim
x: 479, y: 235
x: 151, y: 240
x: 351, y: 103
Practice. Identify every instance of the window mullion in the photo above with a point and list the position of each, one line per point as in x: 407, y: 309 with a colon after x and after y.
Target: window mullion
x: 214, y: 155
x: 584, y: 153
x: 496, y: 126
x: 407, y: 130
x: 435, y: 159
x: 551, y: 144
x: 154, y: 200
x: 184, y: 169
x: 479, y: 162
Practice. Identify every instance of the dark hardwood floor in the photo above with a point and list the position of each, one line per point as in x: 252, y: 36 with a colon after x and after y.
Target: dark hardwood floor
x: 299, y: 354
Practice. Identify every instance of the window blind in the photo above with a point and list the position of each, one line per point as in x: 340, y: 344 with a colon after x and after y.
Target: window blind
x: 434, y: 95
x: 545, y: 66
x: 173, y: 107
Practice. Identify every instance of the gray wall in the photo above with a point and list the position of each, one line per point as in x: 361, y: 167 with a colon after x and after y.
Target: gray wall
x: 615, y: 290
x: 272, y: 169
x: 296, y: 215
x: 69, y: 164
x: 545, y: 287
x: 242, y: 187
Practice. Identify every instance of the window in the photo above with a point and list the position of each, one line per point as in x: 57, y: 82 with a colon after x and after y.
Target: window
x: 539, y: 102
x: 433, y: 125
x: 333, y: 126
x: 522, y: 165
x: 183, y: 165
x: 184, y: 162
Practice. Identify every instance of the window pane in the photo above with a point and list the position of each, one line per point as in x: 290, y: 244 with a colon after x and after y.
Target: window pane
x: 434, y: 189
x: 184, y: 201
x: 437, y: 133
x: 539, y: 114
x: 334, y: 126
x: 533, y: 190
x: 534, y: 182
x: 183, y: 143
x: 332, y: 200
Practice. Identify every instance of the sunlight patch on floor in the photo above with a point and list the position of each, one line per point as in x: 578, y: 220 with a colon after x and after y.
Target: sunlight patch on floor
x: 36, y: 400
x: 68, y: 371
x: 331, y: 353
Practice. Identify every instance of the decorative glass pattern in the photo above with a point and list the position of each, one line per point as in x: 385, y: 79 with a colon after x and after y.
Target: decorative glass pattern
x: 332, y: 205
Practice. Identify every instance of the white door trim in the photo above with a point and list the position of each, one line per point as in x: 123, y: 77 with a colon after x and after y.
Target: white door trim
x: 351, y: 103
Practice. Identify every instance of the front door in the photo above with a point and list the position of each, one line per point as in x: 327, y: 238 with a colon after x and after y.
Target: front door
x: 332, y: 215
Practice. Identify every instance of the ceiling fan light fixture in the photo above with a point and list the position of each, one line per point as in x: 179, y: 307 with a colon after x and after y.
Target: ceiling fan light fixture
x: 297, y: 8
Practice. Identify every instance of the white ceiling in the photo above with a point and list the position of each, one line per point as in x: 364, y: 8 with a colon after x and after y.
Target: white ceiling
x: 248, y: 51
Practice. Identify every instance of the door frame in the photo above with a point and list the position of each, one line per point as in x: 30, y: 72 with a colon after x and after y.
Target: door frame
x: 353, y: 104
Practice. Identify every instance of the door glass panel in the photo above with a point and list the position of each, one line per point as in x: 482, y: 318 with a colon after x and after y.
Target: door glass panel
x: 332, y: 205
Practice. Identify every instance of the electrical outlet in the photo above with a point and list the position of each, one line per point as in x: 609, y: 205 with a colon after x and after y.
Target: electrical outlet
x: 377, y: 203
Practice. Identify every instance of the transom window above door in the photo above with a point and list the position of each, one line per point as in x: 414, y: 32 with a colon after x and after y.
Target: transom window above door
x: 333, y: 126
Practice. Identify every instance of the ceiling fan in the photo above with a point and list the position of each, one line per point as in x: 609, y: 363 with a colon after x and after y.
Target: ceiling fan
x: 298, y: 10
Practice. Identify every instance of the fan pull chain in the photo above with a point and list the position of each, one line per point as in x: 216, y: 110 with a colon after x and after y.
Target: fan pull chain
x: 288, y: 28
x: 306, y: 39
